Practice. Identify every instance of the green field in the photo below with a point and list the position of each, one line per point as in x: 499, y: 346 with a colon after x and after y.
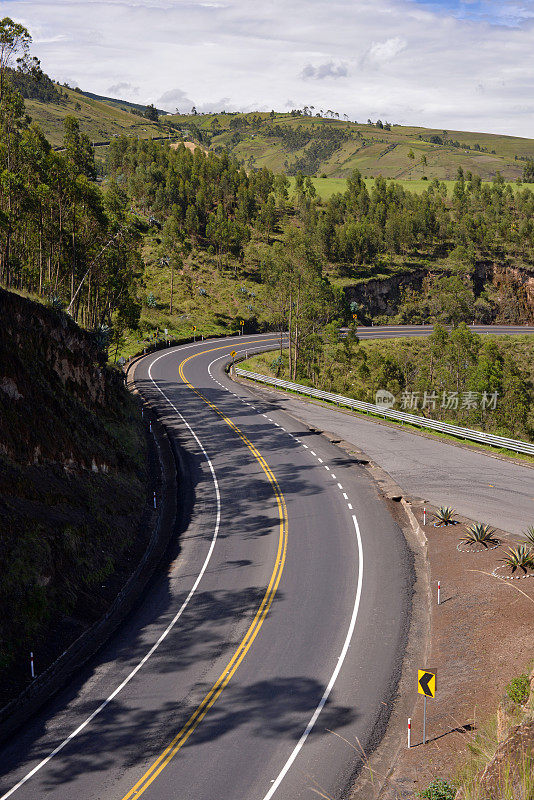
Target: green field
x: 326, y: 187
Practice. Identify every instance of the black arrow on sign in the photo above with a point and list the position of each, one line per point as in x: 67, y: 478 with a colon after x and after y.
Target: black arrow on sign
x: 423, y: 683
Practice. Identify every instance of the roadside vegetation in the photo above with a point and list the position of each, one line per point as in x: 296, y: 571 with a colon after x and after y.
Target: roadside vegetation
x: 500, y: 763
x: 458, y: 376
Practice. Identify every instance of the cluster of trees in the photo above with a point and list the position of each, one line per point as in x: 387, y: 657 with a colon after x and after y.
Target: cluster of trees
x: 32, y: 83
x: 300, y: 298
x: 528, y: 171
x: 61, y: 237
x: 360, y: 225
x: 323, y: 145
x: 203, y: 198
x: 457, y: 376
x: 291, y: 138
x: 386, y: 126
x: 443, y: 140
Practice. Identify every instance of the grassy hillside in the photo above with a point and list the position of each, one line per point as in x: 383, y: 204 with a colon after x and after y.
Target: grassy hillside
x: 72, y: 484
x: 99, y: 120
x: 213, y: 298
x: 284, y: 142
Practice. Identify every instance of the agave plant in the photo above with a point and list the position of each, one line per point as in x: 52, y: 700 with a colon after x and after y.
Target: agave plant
x: 478, y: 533
x: 445, y: 515
x: 528, y: 536
x: 520, y: 557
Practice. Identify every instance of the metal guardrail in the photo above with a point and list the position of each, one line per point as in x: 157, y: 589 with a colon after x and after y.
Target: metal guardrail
x: 388, y: 413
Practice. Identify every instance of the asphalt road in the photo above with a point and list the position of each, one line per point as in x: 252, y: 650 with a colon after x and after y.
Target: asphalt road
x: 480, y: 486
x: 278, y: 621
x: 400, y: 331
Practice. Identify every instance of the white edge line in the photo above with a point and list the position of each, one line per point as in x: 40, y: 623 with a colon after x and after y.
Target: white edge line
x: 169, y: 627
x: 298, y: 747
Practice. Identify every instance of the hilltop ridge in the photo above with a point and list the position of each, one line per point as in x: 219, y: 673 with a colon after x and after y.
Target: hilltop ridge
x: 293, y: 142
x: 334, y: 147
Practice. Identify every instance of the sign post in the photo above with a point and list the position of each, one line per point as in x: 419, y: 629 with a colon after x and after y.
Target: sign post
x: 233, y: 354
x: 241, y: 324
x: 194, y: 333
x: 426, y: 685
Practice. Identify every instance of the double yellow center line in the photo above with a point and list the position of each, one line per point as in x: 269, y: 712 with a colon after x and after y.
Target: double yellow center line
x: 198, y: 715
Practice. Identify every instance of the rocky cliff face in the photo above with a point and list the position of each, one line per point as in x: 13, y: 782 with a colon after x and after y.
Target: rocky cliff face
x: 513, y: 288
x: 383, y: 296
x: 73, y: 484
x: 51, y: 380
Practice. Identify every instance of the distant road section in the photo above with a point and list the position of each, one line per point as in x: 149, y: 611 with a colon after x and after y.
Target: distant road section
x: 478, y: 484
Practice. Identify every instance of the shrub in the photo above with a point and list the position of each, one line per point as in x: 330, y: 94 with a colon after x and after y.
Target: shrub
x: 528, y: 536
x: 520, y: 557
x: 439, y: 790
x: 151, y: 301
x: 518, y: 689
x: 445, y: 515
x: 478, y: 533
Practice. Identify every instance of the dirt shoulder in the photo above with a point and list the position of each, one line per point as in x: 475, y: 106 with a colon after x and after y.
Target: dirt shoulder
x: 481, y: 637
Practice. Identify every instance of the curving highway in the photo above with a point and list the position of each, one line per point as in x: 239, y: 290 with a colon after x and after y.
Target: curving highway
x: 273, y: 633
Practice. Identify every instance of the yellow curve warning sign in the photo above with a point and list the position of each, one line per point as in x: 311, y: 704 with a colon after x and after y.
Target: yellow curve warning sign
x: 426, y: 682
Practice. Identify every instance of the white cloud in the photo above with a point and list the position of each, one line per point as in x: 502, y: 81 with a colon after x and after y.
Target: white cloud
x: 381, y: 52
x: 175, y: 99
x: 123, y: 88
x: 324, y: 71
x: 404, y: 61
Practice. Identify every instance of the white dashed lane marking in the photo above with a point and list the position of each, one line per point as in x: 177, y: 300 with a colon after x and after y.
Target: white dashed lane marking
x: 305, y: 446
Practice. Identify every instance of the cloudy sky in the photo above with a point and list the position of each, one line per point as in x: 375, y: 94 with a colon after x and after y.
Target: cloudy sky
x: 454, y: 64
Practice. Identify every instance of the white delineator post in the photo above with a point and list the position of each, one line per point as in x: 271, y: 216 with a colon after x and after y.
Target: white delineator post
x: 409, y: 732
x: 424, y: 516
x: 439, y: 592
x: 32, y: 667
x: 154, y: 499
x: 150, y: 427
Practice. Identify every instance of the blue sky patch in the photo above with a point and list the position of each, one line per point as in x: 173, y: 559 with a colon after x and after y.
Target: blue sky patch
x: 506, y: 12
